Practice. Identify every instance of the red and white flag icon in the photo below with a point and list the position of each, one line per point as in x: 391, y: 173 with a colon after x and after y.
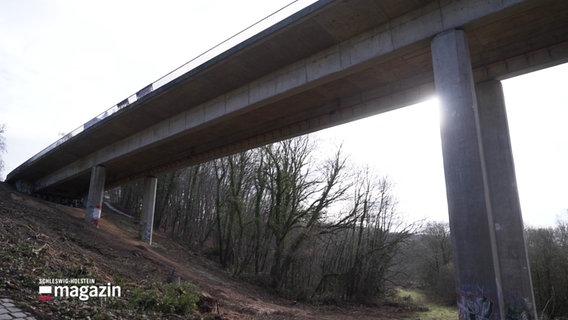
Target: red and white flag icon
x: 45, y: 293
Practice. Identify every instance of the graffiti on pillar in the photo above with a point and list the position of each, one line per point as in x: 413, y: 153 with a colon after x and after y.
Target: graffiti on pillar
x: 90, y: 208
x: 96, y: 216
x: 145, y: 231
x: 93, y: 213
x: 148, y: 234
x: 474, y: 303
x: 517, y: 307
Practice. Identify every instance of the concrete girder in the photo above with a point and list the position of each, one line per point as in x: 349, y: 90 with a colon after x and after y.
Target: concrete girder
x: 338, y: 61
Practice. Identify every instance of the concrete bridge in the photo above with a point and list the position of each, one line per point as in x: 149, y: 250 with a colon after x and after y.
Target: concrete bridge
x: 330, y: 63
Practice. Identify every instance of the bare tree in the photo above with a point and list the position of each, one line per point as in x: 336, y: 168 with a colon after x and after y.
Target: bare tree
x: 548, y: 256
x: 280, y: 216
x: 234, y: 194
x: 358, y: 262
x: 434, y: 259
x: 128, y: 197
x: 166, y: 189
x: 299, y: 198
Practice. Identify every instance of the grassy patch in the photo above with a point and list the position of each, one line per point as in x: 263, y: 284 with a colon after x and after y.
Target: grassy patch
x: 166, y: 298
x: 431, y: 311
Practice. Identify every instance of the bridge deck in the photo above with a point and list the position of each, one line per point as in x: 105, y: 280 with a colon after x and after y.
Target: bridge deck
x: 333, y: 62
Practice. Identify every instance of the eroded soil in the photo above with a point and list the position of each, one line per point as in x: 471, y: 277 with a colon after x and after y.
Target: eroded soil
x: 40, y: 239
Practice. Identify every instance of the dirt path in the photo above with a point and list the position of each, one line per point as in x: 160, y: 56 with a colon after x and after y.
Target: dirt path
x: 113, y: 251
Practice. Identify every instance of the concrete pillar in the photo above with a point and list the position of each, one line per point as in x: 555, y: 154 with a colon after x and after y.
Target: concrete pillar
x: 24, y: 186
x: 490, y: 256
x: 96, y: 193
x: 505, y: 205
x: 473, y: 238
x: 148, y: 207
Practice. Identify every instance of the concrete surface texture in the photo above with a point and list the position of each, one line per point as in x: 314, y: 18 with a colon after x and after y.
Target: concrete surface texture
x: 485, y: 216
x: 334, y: 62
x: 330, y: 63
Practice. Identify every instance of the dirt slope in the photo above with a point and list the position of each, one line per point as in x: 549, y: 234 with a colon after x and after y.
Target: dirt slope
x: 39, y: 239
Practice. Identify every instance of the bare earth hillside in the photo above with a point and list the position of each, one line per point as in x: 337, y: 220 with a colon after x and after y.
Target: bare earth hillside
x: 39, y: 239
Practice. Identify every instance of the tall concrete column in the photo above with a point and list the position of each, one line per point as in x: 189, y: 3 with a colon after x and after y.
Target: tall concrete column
x: 473, y: 238
x: 95, y: 196
x: 505, y: 204
x: 148, y: 207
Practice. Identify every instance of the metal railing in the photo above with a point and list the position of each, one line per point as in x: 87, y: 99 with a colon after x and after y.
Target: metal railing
x: 227, y: 44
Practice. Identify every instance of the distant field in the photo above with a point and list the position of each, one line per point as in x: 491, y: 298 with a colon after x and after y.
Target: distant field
x: 434, y: 312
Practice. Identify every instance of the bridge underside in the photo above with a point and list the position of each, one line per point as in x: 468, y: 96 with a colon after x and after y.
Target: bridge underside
x: 518, y: 39
x: 334, y: 62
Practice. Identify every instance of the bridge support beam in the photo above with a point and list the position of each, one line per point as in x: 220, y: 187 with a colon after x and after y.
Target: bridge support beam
x: 95, y: 196
x: 504, y: 200
x: 481, y: 190
x: 148, y: 208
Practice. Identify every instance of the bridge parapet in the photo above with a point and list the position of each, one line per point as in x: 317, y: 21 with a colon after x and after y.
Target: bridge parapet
x: 231, y: 42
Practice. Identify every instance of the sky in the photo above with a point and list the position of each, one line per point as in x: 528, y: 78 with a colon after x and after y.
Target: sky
x: 62, y: 62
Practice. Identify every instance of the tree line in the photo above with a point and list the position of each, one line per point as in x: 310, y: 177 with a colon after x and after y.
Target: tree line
x: 309, y: 227
x: 320, y: 229
x: 427, y: 260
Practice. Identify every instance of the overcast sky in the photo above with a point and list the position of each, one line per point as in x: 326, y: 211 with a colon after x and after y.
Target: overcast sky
x: 62, y: 62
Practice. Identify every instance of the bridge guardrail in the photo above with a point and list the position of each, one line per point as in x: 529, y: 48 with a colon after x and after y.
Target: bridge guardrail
x: 225, y: 45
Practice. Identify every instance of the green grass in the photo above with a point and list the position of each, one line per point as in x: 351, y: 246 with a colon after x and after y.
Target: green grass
x: 432, y: 310
x: 166, y: 298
